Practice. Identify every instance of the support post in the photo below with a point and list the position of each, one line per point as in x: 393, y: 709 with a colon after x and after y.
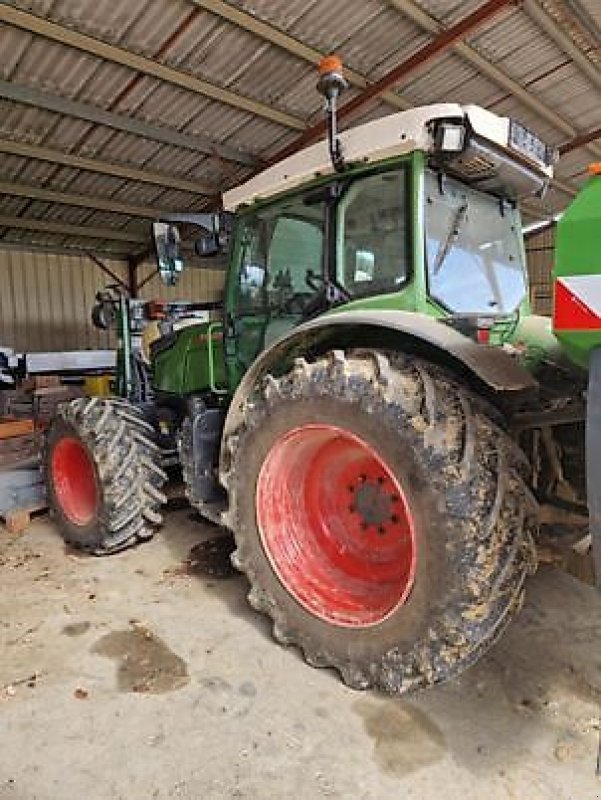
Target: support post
x: 132, y: 277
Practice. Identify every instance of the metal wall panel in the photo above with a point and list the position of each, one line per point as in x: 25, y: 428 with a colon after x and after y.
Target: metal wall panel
x: 46, y: 301
x: 540, y: 256
x: 194, y: 284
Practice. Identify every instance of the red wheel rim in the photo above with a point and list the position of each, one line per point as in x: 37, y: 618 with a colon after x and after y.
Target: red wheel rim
x: 74, y: 481
x: 336, y: 525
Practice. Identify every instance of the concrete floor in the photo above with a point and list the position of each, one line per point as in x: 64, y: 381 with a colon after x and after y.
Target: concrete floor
x: 126, y: 677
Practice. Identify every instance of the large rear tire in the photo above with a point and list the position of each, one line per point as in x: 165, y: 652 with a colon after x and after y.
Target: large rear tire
x: 102, y: 475
x: 382, y: 517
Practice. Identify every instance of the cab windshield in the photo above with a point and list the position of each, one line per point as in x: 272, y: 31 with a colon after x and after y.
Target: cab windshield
x: 473, y: 249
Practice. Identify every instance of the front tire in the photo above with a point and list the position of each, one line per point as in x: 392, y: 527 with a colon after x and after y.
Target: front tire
x: 102, y: 475
x: 381, y: 516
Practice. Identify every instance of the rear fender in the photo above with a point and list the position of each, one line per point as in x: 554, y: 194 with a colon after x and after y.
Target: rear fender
x: 492, y: 370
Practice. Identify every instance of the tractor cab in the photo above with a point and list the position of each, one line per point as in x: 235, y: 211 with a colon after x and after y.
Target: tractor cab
x: 415, y: 212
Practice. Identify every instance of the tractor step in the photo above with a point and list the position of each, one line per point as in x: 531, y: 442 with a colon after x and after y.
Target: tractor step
x: 213, y: 511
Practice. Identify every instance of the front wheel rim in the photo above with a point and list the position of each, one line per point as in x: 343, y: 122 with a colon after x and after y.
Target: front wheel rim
x: 74, y: 481
x: 336, y: 525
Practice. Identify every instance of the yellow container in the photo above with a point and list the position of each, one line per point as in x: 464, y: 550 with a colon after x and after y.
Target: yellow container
x: 98, y: 385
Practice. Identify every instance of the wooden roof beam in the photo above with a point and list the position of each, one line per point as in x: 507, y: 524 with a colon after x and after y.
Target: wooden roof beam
x: 146, y: 66
x: 24, y: 150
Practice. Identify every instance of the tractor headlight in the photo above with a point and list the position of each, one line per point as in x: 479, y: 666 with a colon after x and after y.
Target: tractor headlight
x: 450, y: 137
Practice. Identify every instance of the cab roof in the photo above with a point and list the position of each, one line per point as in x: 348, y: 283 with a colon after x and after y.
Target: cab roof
x: 386, y: 137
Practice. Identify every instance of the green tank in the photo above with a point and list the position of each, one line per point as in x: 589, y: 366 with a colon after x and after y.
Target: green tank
x: 577, y: 273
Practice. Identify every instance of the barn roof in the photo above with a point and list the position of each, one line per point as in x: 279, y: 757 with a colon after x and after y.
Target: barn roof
x: 111, y: 112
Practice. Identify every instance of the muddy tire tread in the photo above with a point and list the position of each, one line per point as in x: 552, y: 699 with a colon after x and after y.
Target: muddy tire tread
x: 120, y: 441
x: 479, y: 473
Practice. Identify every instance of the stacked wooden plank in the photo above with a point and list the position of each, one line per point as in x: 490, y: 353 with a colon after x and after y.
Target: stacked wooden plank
x: 16, y: 404
x: 19, y: 442
x: 37, y: 398
x: 24, y: 414
x: 47, y: 400
x: 21, y: 486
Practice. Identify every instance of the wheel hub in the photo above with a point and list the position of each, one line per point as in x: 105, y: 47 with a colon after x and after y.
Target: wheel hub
x: 336, y: 525
x: 374, y: 504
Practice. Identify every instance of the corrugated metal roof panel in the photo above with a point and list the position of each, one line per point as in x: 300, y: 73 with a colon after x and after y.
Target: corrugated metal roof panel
x: 46, y: 64
x: 567, y: 88
x: 13, y: 44
x: 593, y: 8
x: 11, y: 166
x: 449, y: 12
x: 214, y: 49
x: 171, y: 161
x: 174, y: 200
x: 12, y: 206
x: 104, y: 19
x: 39, y: 173
x: 329, y: 26
x: 68, y: 132
x: 518, y: 46
x: 118, y: 222
x: 153, y: 101
x: 385, y: 40
x: 25, y: 123
x: 220, y: 122
x: 122, y: 148
x: 282, y: 15
x: 54, y: 212
x: 450, y: 78
x: 154, y: 22
x: 32, y: 237
x: 282, y: 80
x: 95, y: 185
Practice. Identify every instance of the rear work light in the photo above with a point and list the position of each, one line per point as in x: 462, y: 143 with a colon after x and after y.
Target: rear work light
x: 530, y: 145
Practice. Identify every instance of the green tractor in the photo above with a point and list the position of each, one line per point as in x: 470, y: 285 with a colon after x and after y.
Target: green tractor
x: 377, y: 414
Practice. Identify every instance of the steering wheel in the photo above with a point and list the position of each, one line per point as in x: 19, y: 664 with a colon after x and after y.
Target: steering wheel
x: 295, y: 304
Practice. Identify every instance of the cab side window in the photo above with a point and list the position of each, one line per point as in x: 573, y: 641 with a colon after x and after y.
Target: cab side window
x: 372, y: 242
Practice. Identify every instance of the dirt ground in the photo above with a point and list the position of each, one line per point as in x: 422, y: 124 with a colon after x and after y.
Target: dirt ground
x: 129, y: 677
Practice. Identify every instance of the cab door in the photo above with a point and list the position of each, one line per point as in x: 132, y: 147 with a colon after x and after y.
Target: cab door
x: 278, y: 266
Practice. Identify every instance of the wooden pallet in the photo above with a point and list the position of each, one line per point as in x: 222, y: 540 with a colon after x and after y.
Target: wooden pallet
x: 18, y: 519
x: 12, y: 428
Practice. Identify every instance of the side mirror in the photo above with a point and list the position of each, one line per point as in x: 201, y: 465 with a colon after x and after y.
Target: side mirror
x: 167, y: 245
x: 207, y: 246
